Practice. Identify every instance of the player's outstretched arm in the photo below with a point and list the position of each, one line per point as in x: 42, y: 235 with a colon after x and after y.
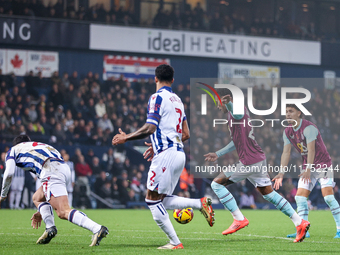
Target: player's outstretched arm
x: 284, y: 163
x: 146, y: 130
x: 186, y: 131
x: 213, y: 156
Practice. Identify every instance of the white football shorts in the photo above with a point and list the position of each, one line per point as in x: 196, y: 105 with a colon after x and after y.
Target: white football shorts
x: 255, y: 173
x: 56, y: 176
x: 165, y: 170
x: 323, y: 175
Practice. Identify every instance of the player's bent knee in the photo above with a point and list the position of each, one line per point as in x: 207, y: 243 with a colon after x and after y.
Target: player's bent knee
x: 215, y: 185
x: 328, y: 199
x: 300, y: 199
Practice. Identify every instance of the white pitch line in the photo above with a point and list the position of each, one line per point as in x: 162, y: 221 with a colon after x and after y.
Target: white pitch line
x: 245, y: 235
x: 185, y: 238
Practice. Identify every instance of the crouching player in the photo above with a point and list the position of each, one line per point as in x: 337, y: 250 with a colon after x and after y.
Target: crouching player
x: 47, y: 163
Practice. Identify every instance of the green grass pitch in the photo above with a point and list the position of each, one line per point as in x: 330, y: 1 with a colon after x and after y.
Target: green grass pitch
x: 135, y: 232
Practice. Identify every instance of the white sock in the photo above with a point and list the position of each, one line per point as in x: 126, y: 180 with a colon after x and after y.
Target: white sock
x: 161, y: 216
x: 296, y: 219
x: 237, y: 215
x: 80, y: 219
x: 176, y: 202
x: 46, y: 212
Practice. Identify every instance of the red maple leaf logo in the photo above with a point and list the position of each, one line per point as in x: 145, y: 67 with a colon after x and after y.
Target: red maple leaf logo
x: 153, y: 97
x: 16, y: 62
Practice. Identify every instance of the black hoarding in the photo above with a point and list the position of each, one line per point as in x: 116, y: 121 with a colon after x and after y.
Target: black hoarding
x: 44, y: 33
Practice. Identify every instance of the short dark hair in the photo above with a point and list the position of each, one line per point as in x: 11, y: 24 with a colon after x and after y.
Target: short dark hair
x: 21, y: 139
x: 165, y: 73
x: 224, y: 92
x: 296, y: 108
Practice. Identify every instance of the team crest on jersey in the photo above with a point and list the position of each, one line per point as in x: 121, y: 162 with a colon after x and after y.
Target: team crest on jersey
x: 163, y: 169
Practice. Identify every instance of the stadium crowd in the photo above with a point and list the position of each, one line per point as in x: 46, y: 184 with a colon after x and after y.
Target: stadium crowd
x: 189, y: 18
x: 82, y: 114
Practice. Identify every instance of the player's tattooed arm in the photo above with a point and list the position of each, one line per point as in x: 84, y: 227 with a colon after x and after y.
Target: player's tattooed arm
x: 186, y: 131
x: 141, y: 133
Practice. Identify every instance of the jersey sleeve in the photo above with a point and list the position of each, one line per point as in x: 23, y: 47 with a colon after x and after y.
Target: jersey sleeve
x: 230, y: 108
x: 8, y: 174
x: 311, y: 133
x: 285, y: 139
x: 230, y: 147
x: 154, y: 110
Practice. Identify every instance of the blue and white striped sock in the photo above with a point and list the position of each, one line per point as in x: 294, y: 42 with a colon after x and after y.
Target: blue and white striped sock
x: 79, y: 218
x: 302, y: 207
x: 46, y: 212
x: 335, y: 209
x: 284, y: 206
x: 227, y: 199
x: 161, y: 217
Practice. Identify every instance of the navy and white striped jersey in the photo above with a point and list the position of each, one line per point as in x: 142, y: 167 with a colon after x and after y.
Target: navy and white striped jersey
x: 166, y: 112
x: 30, y: 156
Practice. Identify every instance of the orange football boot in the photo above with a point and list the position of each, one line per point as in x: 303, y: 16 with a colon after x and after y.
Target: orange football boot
x: 301, y: 231
x: 207, y: 210
x: 237, y: 225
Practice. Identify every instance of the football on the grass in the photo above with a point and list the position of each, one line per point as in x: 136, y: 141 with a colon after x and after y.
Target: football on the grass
x: 183, y: 216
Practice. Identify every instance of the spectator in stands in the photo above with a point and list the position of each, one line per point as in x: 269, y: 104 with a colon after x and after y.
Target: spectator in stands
x: 100, y: 108
x: 55, y: 96
x: 83, y: 172
x: 74, y: 79
x: 105, y: 123
x: 59, y: 133
x: 124, y: 191
x: 59, y: 114
x: 65, y: 80
x: 108, y: 159
x: 105, y: 192
x: 95, y: 166
x: 115, y: 190
x: 138, y: 187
